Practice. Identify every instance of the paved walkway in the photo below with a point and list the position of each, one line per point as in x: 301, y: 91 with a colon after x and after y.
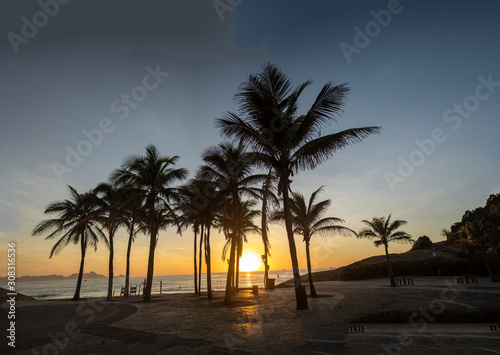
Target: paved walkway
x: 267, y: 323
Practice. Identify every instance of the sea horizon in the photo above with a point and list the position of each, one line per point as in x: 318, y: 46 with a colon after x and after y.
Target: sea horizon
x: 162, y: 284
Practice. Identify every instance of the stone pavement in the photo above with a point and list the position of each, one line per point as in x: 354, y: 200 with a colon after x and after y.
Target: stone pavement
x: 267, y: 323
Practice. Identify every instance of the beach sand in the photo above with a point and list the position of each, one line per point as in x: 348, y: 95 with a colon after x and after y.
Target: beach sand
x: 266, y: 323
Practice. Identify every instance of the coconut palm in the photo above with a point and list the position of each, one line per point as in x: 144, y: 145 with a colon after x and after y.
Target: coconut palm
x: 188, y: 217
x: 111, y: 203
x: 385, y: 231
x: 460, y: 238
x: 308, y: 221
x: 205, y: 216
x: 284, y: 141
x: 268, y: 199
x: 230, y: 168
x: 78, y: 221
x: 133, y: 216
x: 152, y: 176
x: 478, y: 233
x: 236, y: 221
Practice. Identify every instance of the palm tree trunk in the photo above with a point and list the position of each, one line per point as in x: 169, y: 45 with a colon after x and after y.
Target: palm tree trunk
x: 110, y: 275
x: 129, y: 248
x: 195, y: 268
x: 152, y: 246
x: 389, y: 265
x: 311, y: 285
x: 300, y: 294
x: 151, y: 261
x: 76, y: 297
x: 265, y: 241
x: 200, y: 260
x: 237, y: 272
x: 265, y: 238
x: 207, y: 259
x: 230, y: 272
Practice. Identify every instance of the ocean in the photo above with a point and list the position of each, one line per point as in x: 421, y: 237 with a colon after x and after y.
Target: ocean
x: 43, y: 290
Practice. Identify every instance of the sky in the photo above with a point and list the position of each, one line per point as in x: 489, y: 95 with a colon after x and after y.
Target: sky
x: 86, y: 83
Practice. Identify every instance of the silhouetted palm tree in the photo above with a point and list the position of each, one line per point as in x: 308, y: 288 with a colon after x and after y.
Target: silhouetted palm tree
x: 478, y: 234
x: 230, y: 168
x: 133, y: 217
x: 152, y: 176
x: 236, y: 221
x: 385, y: 231
x: 460, y: 238
x: 284, y: 141
x: 268, y: 199
x: 78, y: 222
x: 307, y: 222
x: 189, y: 216
x: 111, y: 203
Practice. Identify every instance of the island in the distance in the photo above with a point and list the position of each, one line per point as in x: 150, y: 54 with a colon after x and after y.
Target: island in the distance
x: 86, y: 276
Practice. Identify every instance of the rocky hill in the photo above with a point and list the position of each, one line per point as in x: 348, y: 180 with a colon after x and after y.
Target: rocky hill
x: 449, y: 260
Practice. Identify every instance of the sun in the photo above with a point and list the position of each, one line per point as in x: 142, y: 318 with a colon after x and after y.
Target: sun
x: 250, y: 261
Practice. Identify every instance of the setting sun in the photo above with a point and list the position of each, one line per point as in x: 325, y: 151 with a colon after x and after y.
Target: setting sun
x: 250, y: 261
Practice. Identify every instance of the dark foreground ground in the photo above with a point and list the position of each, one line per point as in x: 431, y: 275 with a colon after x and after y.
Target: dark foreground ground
x: 268, y: 323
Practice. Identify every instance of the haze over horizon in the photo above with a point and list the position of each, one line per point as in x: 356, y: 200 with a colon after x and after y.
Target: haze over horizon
x: 160, y: 73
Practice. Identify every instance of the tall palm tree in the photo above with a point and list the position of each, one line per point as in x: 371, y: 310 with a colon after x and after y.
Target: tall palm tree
x: 133, y: 217
x: 284, y: 141
x: 189, y: 217
x: 478, y: 233
x: 385, y: 231
x: 111, y: 201
x: 461, y: 238
x: 152, y: 176
x: 307, y: 222
x: 229, y: 167
x: 78, y: 221
x: 268, y: 199
x: 236, y: 220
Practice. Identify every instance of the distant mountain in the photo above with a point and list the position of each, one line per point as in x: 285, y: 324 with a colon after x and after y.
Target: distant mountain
x: 53, y: 277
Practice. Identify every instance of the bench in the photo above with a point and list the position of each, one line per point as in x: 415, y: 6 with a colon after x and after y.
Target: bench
x: 356, y: 328
x: 467, y: 279
x: 495, y: 327
x: 404, y: 281
x: 254, y: 289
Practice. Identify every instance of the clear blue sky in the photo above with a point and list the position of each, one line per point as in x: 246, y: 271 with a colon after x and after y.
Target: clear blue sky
x: 425, y: 60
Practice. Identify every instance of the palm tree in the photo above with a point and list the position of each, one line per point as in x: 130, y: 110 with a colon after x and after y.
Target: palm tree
x: 478, y: 234
x: 385, y: 231
x: 284, y: 141
x: 133, y: 217
x: 268, y: 198
x: 78, y: 222
x: 111, y: 201
x: 229, y: 167
x: 152, y: 176
x: 307, y: 222
x: 188, y: 217
x: 460, y: 238
x: 236, y: 220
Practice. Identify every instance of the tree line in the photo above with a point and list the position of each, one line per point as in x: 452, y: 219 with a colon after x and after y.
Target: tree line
x: 478, y: 232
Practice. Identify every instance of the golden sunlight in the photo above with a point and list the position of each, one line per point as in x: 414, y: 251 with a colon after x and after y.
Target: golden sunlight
x: 250, y: 261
